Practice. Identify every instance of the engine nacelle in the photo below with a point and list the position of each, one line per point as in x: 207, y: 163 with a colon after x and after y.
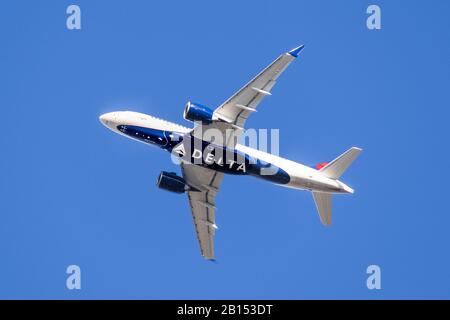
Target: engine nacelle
x: 171, y: 182
x: 197, y: 112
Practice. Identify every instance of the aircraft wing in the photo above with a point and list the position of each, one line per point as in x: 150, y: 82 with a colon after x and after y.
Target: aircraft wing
x: 202, y: 204
x: 234, y: 112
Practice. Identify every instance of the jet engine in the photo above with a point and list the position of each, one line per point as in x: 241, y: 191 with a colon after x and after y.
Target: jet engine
x: 197, y: 112
x: 170, y: 181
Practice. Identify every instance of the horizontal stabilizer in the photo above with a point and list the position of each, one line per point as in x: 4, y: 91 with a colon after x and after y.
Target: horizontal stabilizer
x: 338, y: 166
x: 323, y: 204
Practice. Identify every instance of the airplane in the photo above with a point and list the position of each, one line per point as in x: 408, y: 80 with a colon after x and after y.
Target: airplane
x: 206, y: 158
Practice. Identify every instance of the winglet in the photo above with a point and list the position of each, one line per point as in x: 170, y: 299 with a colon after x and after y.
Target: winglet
x: 295, y: 52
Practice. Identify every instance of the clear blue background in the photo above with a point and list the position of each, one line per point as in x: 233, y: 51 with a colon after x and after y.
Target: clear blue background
x: 72, y: 192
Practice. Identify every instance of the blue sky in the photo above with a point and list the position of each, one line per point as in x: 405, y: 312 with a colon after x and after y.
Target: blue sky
x: 72, y: 192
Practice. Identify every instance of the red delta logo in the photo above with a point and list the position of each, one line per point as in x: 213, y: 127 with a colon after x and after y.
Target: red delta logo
x: 321, y: 165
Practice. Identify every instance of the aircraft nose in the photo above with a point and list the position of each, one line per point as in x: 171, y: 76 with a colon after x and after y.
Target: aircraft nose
x: 107, y: 119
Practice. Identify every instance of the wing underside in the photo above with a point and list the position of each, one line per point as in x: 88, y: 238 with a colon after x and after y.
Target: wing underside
x: 203, y: 204
x: 234, y: 112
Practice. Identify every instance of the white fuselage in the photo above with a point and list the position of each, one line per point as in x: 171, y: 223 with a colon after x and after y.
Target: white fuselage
x: 153, y: 130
